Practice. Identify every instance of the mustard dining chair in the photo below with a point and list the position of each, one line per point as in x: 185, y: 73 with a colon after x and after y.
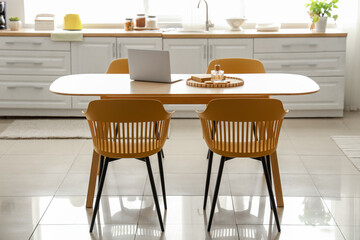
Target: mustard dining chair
x: 120, y: 65
x: 242, y: 128
x: 237, y: 65
x: 128, y: 129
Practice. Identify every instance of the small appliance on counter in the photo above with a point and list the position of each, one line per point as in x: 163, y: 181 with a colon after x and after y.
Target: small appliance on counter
x: 72, y: 22
x: 44, y: 22
x: 3, y: 24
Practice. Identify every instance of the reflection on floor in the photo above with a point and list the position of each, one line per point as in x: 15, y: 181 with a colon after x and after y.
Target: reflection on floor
x: 43, y: 185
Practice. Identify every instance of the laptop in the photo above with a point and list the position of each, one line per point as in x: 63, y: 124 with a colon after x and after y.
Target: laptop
x: 150, y: 66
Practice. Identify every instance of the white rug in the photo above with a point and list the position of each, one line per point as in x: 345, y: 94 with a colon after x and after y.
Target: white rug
x: 47, y: 129
x: 350, y: 145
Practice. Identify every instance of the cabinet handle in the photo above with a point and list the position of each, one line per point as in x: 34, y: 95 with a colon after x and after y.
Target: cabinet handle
x: 204, y: 48
x: 25, y: 86
x: 23, y: 62
x: 211, y: 52
x: 114, y: 50
x: 34, y: 43
x: 299, y: 65
x: 300, y: 44
x: 119, y: 50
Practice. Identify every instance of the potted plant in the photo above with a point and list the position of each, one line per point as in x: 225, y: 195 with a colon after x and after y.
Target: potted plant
x: 319, y: 11
x: 14, y: 23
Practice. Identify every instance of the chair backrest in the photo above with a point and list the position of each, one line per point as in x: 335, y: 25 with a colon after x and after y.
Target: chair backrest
x: 237, y: 65
x: 242, y: 127
x: 119, y: 66
x: 127, y: 128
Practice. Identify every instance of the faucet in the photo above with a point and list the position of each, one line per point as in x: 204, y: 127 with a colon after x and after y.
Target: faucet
x: 208, y: 24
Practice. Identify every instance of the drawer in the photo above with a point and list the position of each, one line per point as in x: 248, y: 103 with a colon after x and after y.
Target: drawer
x: 230, y: 48
x: 330, y: 96
x: 278, y: 45
x: 30, y: 92
x: 82, y: 102
x: 308, y: 64
x: 33, y: 43
x: 35, y: 62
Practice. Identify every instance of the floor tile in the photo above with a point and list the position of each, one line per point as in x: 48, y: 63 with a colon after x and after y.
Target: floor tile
x: 316, y: 146
x: 248, y: 185
x: 81, y: 232
x: 329, y: 165
x: 185, y: 163
x: 34, y: 147
x: 115, y: 184
x: 30, y: 184
x: 337, y: 185
x: 16, y: 231
x: 31, y: 164
x: 260, y: 232
x: 112, y: 210
x: 350, y: 232
x: 291, y: 164
x: 5, y: 145
x: 346, y: 211
x: 298, y: 185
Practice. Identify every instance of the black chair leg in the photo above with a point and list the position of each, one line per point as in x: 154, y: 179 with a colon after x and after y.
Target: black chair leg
x: 98, y: 196
x: 162, y: 153
x: 272, y: 200
x: 161, y: 170
x: 268, y: 164
x: 216, y: 193
x: 153, y: 188
x: 208, y: 176
x: 101, y: 164
x: 208, y: 154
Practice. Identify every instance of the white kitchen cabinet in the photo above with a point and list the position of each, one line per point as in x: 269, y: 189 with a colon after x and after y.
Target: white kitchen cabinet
x: 322, y: 59
x: 28, y: 67
x: 230, y: 48
x: 124, y: 44
x: 93, y: 54
x: 187, y: 55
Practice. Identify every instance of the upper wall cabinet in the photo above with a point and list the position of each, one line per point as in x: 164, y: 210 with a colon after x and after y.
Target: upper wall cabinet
x: 92, y: 55
x: 124, y: 44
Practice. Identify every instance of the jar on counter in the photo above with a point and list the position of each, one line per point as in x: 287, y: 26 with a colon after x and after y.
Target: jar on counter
x: 151, y: 22
x: 140, y: 20
x: 129, y: 24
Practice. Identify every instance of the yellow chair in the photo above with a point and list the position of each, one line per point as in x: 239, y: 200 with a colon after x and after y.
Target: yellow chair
x: 237, y: 65
x: 120, y: 65
x: 128, y: 129
x: 236, y: 128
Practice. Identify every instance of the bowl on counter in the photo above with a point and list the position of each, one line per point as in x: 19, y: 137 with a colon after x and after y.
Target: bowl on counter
x: 235, y: 23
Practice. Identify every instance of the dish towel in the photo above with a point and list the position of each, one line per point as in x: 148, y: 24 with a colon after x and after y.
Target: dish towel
x: 67, y: 36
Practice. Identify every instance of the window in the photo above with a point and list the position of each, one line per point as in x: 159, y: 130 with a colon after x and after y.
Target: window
x: 115, y: 11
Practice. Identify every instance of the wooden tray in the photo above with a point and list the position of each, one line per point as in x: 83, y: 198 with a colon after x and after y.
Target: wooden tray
x: 233, y: 82
x: 145, y: 28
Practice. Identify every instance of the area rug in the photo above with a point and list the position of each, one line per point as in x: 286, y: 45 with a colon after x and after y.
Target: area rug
x: 47, y: 129
x: 350, y: 145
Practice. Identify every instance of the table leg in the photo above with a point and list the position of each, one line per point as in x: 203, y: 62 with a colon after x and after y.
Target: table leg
x: 92, y: 179
x: 277, y: 181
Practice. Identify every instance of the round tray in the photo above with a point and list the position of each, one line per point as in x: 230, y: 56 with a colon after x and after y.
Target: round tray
x: 234, y: 82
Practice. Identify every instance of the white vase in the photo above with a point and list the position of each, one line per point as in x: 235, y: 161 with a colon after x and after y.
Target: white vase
x: 14, y: 25
x: 320, y: 26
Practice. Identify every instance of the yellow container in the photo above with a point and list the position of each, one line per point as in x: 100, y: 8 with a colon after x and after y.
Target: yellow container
x: 72, y: 22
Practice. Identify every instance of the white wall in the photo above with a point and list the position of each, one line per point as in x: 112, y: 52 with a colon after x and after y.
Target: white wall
x: 15, y: 8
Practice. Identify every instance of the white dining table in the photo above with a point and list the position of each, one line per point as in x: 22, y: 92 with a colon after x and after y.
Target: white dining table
x: 117, y: 86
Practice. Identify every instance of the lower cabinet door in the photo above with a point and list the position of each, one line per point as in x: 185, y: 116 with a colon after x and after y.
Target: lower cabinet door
x: 30, y: 92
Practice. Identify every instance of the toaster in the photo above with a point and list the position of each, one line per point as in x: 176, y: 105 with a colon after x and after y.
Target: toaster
x: 72, y: 22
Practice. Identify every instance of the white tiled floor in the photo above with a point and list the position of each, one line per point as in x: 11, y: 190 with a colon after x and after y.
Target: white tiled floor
x: 43, y: 185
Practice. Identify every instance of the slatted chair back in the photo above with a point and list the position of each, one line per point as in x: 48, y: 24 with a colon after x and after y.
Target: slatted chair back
x: 237, y: 65
x: 242, y: 127
x: 127, y: 128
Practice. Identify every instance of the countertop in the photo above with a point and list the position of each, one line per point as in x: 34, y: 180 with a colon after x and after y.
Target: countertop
x: 248, y: 33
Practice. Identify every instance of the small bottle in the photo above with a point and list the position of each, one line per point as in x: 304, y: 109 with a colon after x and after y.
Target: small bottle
x: 129, y: 24
x: 151, y: 22
x: 217, y: 74
x: 140, y: 20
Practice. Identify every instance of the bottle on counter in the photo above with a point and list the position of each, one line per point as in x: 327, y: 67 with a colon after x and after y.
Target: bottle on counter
x: 129, y: 24
x: 217, y: 74
x: 140, y: 20
x: 151, y: 21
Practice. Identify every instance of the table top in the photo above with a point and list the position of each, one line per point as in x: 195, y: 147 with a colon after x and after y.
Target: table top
x: 120, y: 85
